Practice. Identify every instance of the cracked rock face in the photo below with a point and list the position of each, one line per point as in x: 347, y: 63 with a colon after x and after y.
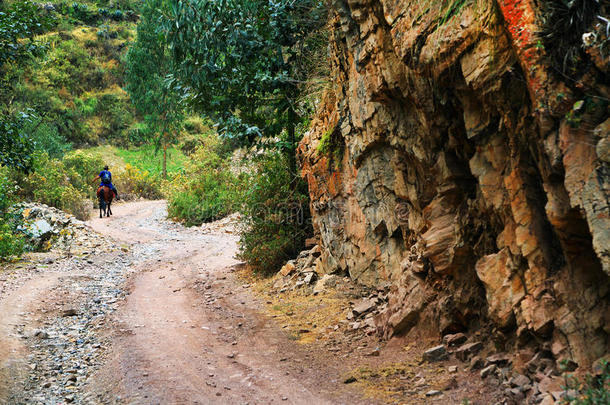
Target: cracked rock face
x: 472, y: 177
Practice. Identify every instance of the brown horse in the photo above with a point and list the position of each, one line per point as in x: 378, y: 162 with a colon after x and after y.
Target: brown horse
x: 105, y: 196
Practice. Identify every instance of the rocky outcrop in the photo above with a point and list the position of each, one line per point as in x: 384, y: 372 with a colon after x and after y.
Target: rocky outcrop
x: 467, y: 171
x: 47, y: 228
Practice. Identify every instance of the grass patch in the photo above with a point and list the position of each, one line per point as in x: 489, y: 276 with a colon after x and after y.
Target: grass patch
x: 143, y: 157
x: 392, y: 382
x: 146, y: 158
x: 305, y: 317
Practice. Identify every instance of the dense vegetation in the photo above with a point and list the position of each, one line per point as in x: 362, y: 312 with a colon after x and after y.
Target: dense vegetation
x: 246, y: 65
x: 62, y: 78
x: 164, y: 94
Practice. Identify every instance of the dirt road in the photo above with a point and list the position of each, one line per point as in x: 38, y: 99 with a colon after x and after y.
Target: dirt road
x: 163, y: 320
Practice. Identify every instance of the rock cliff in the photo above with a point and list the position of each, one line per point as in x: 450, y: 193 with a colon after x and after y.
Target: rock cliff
x: 461, y: 159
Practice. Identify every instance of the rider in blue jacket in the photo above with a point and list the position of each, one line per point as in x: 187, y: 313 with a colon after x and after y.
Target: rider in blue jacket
x: 106, y: 177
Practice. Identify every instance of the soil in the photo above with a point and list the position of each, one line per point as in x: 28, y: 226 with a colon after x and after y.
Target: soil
x: 164, y: 316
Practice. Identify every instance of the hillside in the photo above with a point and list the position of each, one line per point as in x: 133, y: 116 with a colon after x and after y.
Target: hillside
x: 75, y: 87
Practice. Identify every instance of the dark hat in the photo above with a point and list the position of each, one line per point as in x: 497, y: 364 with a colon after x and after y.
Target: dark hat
x: 106, y: 167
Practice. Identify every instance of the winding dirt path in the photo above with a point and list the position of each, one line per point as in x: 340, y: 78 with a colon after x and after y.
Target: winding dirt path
x: 161, y: 318
x: 189, y: 331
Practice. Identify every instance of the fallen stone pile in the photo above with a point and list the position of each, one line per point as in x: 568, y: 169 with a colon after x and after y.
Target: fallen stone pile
x: 527, y: 378
x: 364, y: 312
x: 50, y: 229
x: 229, y: 224
x: 304, y: 273
x: 301, y: 272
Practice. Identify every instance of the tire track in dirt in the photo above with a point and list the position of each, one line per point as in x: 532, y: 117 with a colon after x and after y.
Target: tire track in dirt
x: 190, y: 333
x: 159, y: 318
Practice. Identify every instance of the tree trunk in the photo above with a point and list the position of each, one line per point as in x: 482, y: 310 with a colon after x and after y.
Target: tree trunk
x: 164, y: 159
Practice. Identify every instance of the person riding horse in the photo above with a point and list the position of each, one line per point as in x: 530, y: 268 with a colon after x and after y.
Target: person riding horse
x: 106, y: 181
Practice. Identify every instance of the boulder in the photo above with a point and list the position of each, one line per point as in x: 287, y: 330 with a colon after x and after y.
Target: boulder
x: 547, y: 399
x: 69, y: 312
x: 488, y: 371
x: 287, y: 269
x: 327, y: 280
x: 476, y: 363
x: 499, y: 359
x: 363, y: 307
x: 454, y: 339
x: 519, y: 380
x: 468, y: 350
x: 41, y: 229
x: 309, y: 277
x: 436, y: 353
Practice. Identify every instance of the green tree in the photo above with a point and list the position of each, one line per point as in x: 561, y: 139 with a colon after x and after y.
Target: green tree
x: 148, y: 63
x: 20, y: 22
x: 244, y: 63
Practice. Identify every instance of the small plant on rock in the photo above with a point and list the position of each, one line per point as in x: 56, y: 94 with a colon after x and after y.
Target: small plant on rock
x: 590, y: 390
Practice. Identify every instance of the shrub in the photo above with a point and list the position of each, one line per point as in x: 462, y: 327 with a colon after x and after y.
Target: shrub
x: 138, y: 134
x: 591, y: 390
x: 207, y: 189
x: 75, y: 203
x: 196, y: 131
x: 195, y: 124
x: 86, y: 106
x: 276, y: 216
x: 11, y: 243
x: 83, y: 166
x: 47, y: 138
x: 116, y: 112
x: 133, y: 182
x: 51, y: 182
x: 212, y: 198
x: 8, y: 186
x: 117, y: 15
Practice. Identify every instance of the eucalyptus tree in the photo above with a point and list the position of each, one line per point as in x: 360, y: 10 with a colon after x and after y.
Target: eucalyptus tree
x: 148, y: 64
x: 244, y: 63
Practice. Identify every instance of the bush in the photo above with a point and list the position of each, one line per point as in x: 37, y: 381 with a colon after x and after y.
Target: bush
x: 195, y: 124
x: 276, y: 216
x: 86, y: 106
x: 51, y: 182
x: 207, y: 189
x: 117, y: 15
x: 9, y: 188
x: 81, y: 12
x: 83, y: 166
x: 47, y: 138
x: 591, y: 390
x: 11, y: 243
x: 133, y: 182
x: 138, y: 134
